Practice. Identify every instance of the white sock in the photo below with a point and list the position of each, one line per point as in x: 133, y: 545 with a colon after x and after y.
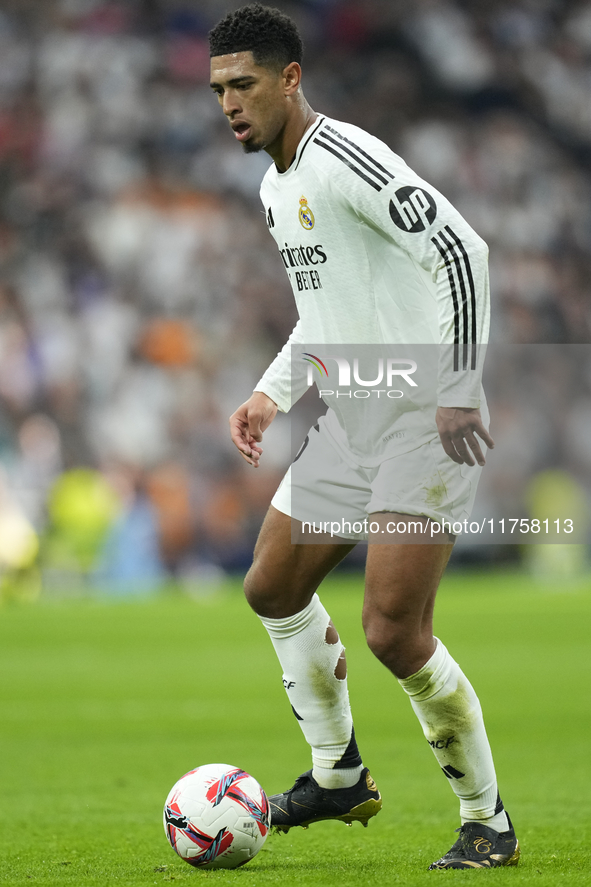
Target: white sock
x: 320, y: 701
x: 451, y: 718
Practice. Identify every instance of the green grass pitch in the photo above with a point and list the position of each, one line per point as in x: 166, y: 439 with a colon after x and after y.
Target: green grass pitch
x: 105, y: 704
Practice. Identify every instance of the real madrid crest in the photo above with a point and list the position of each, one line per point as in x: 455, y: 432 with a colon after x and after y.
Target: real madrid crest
x: 306, y: 214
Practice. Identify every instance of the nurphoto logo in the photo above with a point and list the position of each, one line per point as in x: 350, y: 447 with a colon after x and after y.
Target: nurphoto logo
x: 390, y: 370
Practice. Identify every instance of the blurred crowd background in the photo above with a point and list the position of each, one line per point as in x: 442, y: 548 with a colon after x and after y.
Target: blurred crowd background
x: 141, y: 296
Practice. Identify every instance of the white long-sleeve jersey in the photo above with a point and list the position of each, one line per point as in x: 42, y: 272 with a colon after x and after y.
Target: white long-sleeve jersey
x: 376, y: 257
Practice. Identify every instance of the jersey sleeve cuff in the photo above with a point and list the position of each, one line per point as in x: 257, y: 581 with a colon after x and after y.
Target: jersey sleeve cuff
x: 283, y: 402
x: 459, y: 402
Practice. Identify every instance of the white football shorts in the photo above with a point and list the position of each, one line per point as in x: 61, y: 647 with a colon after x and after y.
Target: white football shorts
x: 320, y: 487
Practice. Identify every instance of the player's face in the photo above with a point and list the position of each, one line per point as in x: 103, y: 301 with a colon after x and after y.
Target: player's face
x: 252, y: 98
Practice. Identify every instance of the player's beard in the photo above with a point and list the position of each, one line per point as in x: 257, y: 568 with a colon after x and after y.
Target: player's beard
x: 254, y: 144
x: 252, y: 147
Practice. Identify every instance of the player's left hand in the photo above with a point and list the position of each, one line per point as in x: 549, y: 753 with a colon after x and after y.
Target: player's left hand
x: 457, y: 427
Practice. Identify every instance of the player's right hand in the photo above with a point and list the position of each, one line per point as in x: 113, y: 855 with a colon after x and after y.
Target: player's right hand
x: 249, y: 422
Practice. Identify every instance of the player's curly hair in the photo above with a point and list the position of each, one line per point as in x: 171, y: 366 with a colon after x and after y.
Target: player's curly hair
x: 268, y: 33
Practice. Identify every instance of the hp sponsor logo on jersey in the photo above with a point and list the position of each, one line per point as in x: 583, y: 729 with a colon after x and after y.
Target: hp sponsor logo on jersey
x: 412, y: 209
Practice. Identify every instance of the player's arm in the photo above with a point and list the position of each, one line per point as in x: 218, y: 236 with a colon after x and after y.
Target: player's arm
x: 459, y: 265
x: 408, y: 211
x: 277, y: 390
x: 285, y: 379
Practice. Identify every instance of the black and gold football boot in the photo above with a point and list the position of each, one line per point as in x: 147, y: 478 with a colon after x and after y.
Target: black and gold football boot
x: 307, y: 802
x: 480, y: 847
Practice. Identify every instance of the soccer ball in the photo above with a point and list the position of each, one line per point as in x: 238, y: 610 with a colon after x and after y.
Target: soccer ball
x: 216, y: 817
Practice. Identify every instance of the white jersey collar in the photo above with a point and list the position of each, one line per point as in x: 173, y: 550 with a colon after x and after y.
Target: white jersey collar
x: 302, y: 146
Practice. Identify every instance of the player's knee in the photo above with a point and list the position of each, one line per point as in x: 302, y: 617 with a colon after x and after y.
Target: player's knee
x: 258, y: 590
x: 382, y: 636
x: 271, y: 593
x: 277, y: 593
x: 392, y: 641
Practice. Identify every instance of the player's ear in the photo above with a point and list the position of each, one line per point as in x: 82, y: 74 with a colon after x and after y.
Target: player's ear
x: 292, y: 78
